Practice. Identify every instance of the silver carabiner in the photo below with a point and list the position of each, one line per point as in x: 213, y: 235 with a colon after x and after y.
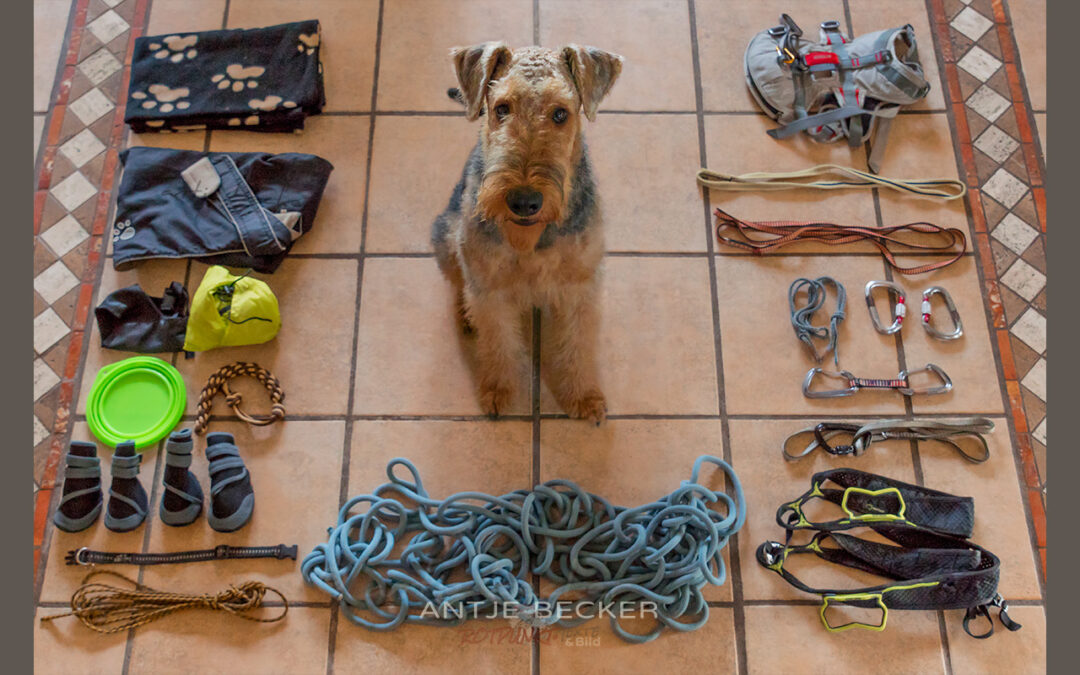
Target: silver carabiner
x: 835, y: 393
x: 958, y: 328
x: 899, y: 310
x: 946, y: 383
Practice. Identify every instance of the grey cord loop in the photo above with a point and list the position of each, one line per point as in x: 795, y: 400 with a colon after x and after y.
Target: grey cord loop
x: 473, y: 554
x: 861, y: 436
x: 801, y: 316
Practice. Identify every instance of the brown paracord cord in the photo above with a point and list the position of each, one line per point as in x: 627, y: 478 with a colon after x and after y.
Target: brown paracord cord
x: 110, y: 609
x: 790, y: 231
x: 219, y: 382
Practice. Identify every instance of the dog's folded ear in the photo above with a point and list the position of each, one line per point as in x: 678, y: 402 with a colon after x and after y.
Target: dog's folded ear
x: 476, y: 67
x: 593, y: 71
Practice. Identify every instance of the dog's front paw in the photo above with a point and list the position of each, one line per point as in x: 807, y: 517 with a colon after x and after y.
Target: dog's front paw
x: 590, y: 406
x: 495, y: 400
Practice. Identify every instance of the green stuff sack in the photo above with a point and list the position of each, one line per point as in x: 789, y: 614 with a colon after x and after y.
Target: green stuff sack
x: 230, y: 311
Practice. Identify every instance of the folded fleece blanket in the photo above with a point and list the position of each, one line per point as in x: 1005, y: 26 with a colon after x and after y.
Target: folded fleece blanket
x: 264, y: 79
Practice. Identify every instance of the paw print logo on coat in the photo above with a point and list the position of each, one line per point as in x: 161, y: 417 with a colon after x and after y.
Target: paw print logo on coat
x: 270, y: 103
x: 122, y: 231
x: 235, y: 76
x: 308, y: 43
x: 175, y: 48
x: 168, y: 98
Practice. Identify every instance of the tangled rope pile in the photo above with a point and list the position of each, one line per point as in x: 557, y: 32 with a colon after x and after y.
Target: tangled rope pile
x: 219, y: 383
x: 801, y: 316
x: 477, y: 551
x: 108, y: 609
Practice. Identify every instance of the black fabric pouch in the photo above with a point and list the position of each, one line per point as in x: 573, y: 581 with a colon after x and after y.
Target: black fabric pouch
x: 237, y: 209
x: 132, y: 321
x: 262, y: 79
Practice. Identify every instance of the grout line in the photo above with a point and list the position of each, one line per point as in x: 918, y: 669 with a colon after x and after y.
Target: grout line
x: 946, y: 650
x: 727, y: 253
x: 738, y: 611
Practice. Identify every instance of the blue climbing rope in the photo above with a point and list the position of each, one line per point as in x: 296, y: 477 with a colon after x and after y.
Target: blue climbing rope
x: 480, y: 551
x: 801, y: 316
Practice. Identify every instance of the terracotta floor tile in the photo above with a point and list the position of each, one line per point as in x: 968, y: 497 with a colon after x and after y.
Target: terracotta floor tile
x: 493, y: 457
x: 632, y: 462
x: 1021, y: 652
x: 316, y: 297
x: 738, y: 144
x: 710, y: 648
x: 476, y: 647
x: 1040, y: 123
x: 920, y: 146
x: 999, y: 520
x: 66, y: 646
x: 168, y: 17
x: 347, y: 44
x: 342, y: 141
x: 415, y: 164
x: 60, y: 579
x: 968, y: 360
x: 184, y: 140
x: 656, y: 352
x: 659, y: 209
x: 153, y: 276
x: 296, y: 473
x: 723, y: 34
x: 50, y: 25
x: 411, y: 357
x: 295, y: 645
x: 867, y: 18
x: 765, y: 364
x: 1029, y: 25
x: 910, y: 644
x: 657, y: 73
x: 414, y: 64
x: 769, y: 481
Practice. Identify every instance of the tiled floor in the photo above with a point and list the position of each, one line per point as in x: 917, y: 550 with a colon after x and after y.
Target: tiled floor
x: 695, y: 347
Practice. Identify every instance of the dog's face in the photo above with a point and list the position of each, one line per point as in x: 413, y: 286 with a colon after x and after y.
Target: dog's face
x: 532, y: 100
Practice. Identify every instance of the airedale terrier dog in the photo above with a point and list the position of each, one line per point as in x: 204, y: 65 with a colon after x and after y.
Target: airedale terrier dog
x: 523, y: 226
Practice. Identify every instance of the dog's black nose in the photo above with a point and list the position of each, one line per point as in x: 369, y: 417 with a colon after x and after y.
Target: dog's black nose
x: 524, y: 202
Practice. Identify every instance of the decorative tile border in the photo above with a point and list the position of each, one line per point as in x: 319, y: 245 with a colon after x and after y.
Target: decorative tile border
x: 72, y: 197
x: 1004, y: 169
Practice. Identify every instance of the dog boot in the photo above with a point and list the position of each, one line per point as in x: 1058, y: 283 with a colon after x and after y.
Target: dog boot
x: 127, y: 498
x: 182, y: 500
x: 81, y: 504
x: 232, y: 499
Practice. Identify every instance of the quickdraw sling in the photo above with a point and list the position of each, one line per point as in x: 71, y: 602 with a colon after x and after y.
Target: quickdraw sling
x: 933, y: 567
x: 837, y: 87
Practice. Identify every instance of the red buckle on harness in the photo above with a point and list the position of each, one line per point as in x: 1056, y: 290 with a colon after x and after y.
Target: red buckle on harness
x: 817, y: 58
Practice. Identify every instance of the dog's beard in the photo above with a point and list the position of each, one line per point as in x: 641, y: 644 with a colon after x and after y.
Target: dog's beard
x: 491, y: 206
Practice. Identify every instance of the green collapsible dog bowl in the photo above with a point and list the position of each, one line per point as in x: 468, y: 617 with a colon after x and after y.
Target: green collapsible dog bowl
x: 139, y: 399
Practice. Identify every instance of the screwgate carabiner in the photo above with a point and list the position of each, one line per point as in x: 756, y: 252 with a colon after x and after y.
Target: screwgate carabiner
x: 958, y: 328
x: 899, y: 311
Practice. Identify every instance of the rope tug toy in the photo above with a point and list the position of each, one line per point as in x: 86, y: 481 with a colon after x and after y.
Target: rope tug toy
x: 219, y: 382
x: 473, y: 552
x: 109, y: 609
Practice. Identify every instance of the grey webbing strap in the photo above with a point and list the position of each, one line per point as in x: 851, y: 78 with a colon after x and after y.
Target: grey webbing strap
x: 125, y: 467
x: 881, y: 138
x: 894, y: 69
x: 113, y: 494
x: 87, y: 472
x: 847, y: 86
x: 180, y: 493
x: 222, y: 457
x: 180, y: 460
x: 929, y: 429
x: 75, y: 494
x: 827, y: 117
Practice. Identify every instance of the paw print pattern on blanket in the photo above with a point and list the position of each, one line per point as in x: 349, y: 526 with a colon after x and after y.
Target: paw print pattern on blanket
x: 308, y: 43
x: 270, y: 103
x: 168, y: 98
x: 235, y: 76
x: 122, y: 231
x: 175, y: 48
x: 250, y: 121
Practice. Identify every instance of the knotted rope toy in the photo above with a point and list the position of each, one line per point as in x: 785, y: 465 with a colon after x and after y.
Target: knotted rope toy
x: 474, y: 552
x: 219, y: 382
x: 110, y: 609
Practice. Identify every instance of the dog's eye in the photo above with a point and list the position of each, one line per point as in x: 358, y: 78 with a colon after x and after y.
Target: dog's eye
x: 502, y: 110
x: 560, y: 115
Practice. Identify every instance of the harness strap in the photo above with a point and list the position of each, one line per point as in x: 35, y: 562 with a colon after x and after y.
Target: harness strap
x: 863, y: 435
x: 843, y: 178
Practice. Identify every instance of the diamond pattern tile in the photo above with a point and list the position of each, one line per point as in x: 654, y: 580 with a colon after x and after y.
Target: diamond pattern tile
x: 1024, y: 279
x: 64, y: 235
x: 1014, y: 233
x: 82, y: 147
x: 108, y: 26
x: 48, y: 329
x: 1035, y: 380
x: 988, y: 103
x: 1040, y: 431
x: 971, y: 23
x: 91, y: 106
x: 100, y: 66
x: 1031, y: 328
x: 40, y: 434
x: 996, y: 144
x: 1006, y: 188
x: 979, y: 63
x: 73, y: 191
x: 55, y: 282
x: 44, y: 379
